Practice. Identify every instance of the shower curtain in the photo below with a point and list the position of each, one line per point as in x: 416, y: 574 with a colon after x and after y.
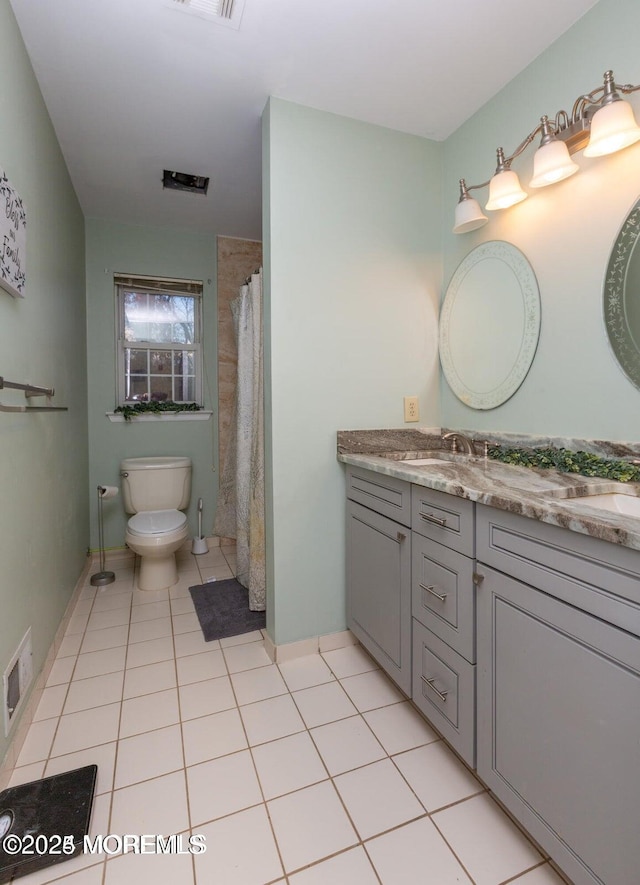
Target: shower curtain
x: 240, y: 507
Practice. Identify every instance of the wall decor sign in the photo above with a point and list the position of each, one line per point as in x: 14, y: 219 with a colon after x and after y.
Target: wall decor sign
x: 13, y: 239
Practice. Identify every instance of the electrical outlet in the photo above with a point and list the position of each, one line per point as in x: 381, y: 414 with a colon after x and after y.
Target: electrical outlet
x: 411, y: 408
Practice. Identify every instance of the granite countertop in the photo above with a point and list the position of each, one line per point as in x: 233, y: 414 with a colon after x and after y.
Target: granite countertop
x: 545, y: 495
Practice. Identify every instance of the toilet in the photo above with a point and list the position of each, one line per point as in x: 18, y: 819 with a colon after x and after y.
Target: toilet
x: 156, y: 489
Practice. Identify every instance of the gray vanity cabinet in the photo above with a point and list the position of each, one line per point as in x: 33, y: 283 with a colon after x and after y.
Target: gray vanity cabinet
x: 559, y: 692
x: 443, y: 608
x: 379, y: 570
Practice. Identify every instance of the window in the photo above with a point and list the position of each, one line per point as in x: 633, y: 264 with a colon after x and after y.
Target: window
x: 159, y: 340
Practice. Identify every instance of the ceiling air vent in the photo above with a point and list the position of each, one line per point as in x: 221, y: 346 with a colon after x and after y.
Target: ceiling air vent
x: 182, y: 181
x: 223, y: 12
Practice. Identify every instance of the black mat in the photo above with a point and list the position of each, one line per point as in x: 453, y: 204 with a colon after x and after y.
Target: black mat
x: 223, y: 609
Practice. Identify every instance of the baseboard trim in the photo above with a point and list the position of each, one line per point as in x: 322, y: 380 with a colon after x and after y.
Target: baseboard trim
x: 289, y: 651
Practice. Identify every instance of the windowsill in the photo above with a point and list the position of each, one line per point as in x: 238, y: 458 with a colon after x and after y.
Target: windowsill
x: 202, y: 415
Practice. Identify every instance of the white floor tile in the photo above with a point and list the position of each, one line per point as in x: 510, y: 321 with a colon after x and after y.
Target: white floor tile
x: 377, y: 798
x: 241, y: 639
x: 61, y: 671
x: 77, y: 624
x: 51, y: 702
x: 489, y: 845
x: 352, y: 867
x: 156, y: 628
x: 310, y: 824
x: 159, y: 869
x: 149, y: 678
x: 88, y: 728
x: 149, y: 711
x: 84, y: 694
x: 204, y: 698
x: 221, y: 787
x: 149, y: 597
x: 110, y: 637
x: 150, y: 610
x: 400, y: 727
x: 70, y: 645
x: 185, y: 623
x: 305, y: 672
x: 148, y: 755
x: 271, y: 719
x: 415, y: 853
x: 193, y: 643
x: 113, y: 618
x: 543, y: 875
x: 109, y: 601
x: 246, y: 657
x: 349, y: 661
x: 437, y: 776
x: 288, y: 764
x: 26, y: 773
x: 196, y: 668
x: 38, y: 741
x: 155, y: 806
x: 212, y: 736
x: 323, y: 703
x: 182, y: 605
x: 104, y: 756
x: 96, y: 663
x: 258, y: 684
x: 371, y: 690
x: 219, y: 572
x: 347, y: 744
x: 240, y: 850
x: 150, y: 652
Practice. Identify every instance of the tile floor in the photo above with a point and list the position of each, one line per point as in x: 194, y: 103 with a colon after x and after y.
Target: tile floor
x: 313, y: 772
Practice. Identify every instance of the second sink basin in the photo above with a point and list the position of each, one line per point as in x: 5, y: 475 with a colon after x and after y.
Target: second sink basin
x: 627, y: 505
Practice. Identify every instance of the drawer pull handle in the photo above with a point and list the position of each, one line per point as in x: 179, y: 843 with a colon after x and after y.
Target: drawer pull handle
x: 431, y: 590
x: 441, y: 694
x: 429, y: 517
x: 400, y: 537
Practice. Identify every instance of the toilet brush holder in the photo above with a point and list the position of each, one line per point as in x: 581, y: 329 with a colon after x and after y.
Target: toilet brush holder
x: 200, y: 543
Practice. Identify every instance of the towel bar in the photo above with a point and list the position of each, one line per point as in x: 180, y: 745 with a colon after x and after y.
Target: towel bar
x: 30, y: 390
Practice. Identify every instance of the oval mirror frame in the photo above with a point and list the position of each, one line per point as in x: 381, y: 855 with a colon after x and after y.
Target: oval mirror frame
x: 621, y: 285
x: 516, y: 289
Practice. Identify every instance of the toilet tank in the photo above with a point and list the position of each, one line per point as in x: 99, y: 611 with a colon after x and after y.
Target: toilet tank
x: 161, y: 482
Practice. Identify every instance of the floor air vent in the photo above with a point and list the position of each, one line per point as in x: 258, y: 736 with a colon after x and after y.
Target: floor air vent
x: 16, y: 680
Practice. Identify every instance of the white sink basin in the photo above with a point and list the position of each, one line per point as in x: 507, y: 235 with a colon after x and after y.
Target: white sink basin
x: 627, y: 505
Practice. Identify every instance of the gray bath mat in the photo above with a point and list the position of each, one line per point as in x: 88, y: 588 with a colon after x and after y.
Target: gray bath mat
x: 223, y: 609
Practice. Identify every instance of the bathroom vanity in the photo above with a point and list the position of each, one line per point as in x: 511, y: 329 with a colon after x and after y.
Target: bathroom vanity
x: 508, y: 608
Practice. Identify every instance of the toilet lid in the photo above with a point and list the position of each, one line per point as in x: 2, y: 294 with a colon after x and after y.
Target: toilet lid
x: 156, y: 522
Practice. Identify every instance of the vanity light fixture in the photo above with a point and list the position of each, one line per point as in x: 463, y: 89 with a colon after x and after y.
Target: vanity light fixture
x: 601, y: 122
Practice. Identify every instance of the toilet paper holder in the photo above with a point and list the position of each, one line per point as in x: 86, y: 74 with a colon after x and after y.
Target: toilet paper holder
x: 99, y: 579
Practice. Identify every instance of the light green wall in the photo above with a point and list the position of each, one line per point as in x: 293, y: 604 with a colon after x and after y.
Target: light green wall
x: 352, y: 234
x: 43, y: 456
x: 120, y: 248
x: 575, y: 387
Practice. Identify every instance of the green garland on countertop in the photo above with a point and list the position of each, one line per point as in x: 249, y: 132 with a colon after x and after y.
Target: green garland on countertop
x: 155, y: 408
x: 566, y: 461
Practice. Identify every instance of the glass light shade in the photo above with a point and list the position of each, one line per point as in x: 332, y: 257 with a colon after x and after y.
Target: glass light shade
x: 504, y: 190
x: 469, y: 216
x: 551, y: 163
x: 613, y: 127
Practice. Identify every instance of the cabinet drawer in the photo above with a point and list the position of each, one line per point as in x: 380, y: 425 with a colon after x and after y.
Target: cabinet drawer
x: 601, y: 578
x: 443, y: 594
x: 444, y: 689
x: 443, y: 518
x: 384, y: 494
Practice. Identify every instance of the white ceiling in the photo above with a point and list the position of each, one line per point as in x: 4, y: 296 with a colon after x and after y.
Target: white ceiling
x: 136, y: 86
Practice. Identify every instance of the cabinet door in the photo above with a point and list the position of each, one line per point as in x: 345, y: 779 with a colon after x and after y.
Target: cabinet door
x: 559, y: 727
x: 379, y: 589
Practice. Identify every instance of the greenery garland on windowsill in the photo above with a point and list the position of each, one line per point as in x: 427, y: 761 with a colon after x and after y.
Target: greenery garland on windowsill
x: 566, y: 461
x: 154, y: 408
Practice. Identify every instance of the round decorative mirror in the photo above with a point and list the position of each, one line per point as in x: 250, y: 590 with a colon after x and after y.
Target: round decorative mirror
x: 622, y: 297
x: 489, y: 325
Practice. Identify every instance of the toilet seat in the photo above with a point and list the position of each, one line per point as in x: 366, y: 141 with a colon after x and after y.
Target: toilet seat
x: 156, y: 522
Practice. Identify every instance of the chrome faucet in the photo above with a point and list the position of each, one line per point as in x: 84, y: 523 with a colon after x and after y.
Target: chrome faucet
x: 459, y: 439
